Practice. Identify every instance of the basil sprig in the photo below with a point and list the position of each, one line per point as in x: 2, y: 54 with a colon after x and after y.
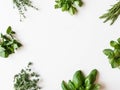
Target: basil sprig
x: 113, y: 54
x: 68, y: 5
x: 80, y: 82
x: 26, y: 79
x: 8, y: 43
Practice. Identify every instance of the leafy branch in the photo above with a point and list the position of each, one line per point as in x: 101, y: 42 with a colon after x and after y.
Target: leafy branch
x: 68, y: 5
x: 22, y: 5
x: 113, y: 54
x: 26, y: 79
x: 80, y: 82
x: 8, y: 43
x: 112, y: 14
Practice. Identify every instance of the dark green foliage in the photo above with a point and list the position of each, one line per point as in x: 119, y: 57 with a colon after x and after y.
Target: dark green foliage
x: 80, y: 82
x: 26, y: 79
x: 113, y: 55
x: 68, y: 5
x: 8, y: 43
x: 112, y: 14
x: 22, y: 5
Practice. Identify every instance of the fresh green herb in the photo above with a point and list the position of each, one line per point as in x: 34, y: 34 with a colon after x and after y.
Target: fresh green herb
x: 26, y: 79
x: 112, y: 14
x: 113, y: 54
x: 80, y: 82
x: 68, y: 5
x: 8, y: 43
x: 22, y: 5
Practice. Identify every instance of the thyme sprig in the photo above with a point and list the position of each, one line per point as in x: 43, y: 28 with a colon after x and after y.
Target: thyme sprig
x: 22, y: 5
x: 112, y: 14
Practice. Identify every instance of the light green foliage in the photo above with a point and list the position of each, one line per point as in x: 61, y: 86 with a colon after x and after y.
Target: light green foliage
x: 22, y: 5
x: 113, y: 54
x: 68, y: 5
x: 112, y: 14
x: 8, y: 43
x: 80, y: 82
x: 26, y: 79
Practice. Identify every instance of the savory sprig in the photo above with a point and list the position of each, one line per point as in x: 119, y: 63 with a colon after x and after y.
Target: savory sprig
x: 22, y: 5
x: 26, y: 79
x: 68, y: 5
x: 80, y: 82
x: 8, y: 43
x: 112, y: 14
x: 113, y: 54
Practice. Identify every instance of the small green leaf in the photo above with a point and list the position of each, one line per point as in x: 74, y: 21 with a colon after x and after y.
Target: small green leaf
x: 114, y: 44
x: 78, y: 79
x: 109, y: 53
x: 64, y: 86
x: 72, y: 10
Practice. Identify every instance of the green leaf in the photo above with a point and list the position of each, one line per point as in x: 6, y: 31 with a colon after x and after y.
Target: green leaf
x: 109, y: 53
x: 78, y: 78
x: 114, y: 44
x: 64, y: 86
x: 90, y: 79
x: 96, y: 87
x: 72, y: 10
x: 71, y: 85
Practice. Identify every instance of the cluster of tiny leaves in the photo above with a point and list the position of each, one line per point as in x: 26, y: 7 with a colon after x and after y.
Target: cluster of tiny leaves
x: 80, y: 82
x: 8, y: 43
x: 26, y: 79
x: 113, y: 54
x: 68, y: 5
x: 112, y: 14
x: 22, y: 5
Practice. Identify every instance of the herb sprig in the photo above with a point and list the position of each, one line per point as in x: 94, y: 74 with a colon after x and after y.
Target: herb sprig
x: 112, y: 14
x: 113, y: 54
x: 68, y: 5
x: 80, y: 82
x: 26, y: 79
x: 8, y: 43
x: 22, y: 5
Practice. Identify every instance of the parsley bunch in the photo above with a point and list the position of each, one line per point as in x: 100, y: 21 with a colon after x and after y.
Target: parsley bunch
x: 80, y: 82
x: 26, y: 79
x: 68, y: 5
x: 8, y: 43
x: 113, y: 54
x: 112, y: 14
x: 22, y: 5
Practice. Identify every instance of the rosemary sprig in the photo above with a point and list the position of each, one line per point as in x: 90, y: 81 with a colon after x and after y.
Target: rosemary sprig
x: 22, y: 5
x: 112, y: 14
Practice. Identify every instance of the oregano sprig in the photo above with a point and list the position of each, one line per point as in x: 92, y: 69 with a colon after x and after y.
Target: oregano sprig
x: 68, y: 5
x: 113, y: 54
x: 80, y: 82
x: 22, y: 5
x: 112, y: 14
x: 8, y: 43
x: 26, y: 79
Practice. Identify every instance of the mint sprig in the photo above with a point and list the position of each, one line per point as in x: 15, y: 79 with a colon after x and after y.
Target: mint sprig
x: 68, y: 5
x: 8, y: 43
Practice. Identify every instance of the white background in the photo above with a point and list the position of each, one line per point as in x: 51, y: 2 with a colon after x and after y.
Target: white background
x: 59, y: 44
